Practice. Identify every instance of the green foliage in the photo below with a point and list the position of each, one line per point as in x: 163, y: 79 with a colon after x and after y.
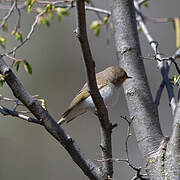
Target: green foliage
x: 17, y: 65
x: 61, y: 12
x: 175, y: 80
x: 106, y: 18
x: 30, y: 5
x: 5, y: 26
x: 2, y: 42
x: 43, y: 103
x: 27, y: 66
x: 95, y: 26
x: 145, y: 4
x: 43, y: 20
x: 19, y: 36
x: 2, y: 80
x: 176, y: 23
x: 49, y: 7
x: 139, y: 28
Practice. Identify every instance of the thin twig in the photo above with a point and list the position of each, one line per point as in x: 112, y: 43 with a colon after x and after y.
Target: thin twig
x: 87, y: 166
x: 160, y: 90
x: 29, y: 34
x: 8, y: 14
x: 5, y: 111
x: 161, y: 65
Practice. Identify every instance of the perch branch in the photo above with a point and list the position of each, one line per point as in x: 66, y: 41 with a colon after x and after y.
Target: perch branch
x: 88, y: 167
x: 106, y: 127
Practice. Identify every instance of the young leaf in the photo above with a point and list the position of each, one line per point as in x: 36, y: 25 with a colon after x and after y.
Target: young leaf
x: 177, y: 29
x: 16, y: 65
x: 95, y: 26
x: 43, y: 103
x: 19, y: 36
x: 139, y: 28
x: 13, y: 32
x: 27, y: 67
x: 64, y: 11
x: 2, y: 42
x: 38, y: 10
x: 2, y: 80
x: 145, y: 4
x: 5, y: 26
x: 30, y: 5
x: 106, y: 19
x: 175, y: 80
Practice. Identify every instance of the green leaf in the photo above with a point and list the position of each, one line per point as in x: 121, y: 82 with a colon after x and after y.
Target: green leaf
x: 30, y: 5
x: 19, y: 36
x: 97, y: 31
x: 43, y: 103
x: 175, y: 80
x: 49, y: 7
x: 145, y: 4
x: 13, y: 32
x: 139, y: 28
x: 106, y: 19
x: 38, y: 10
x: 2, y: 42
x: 95, y: 26
x: 2, y: 80
x: 5, y: 26
x: 176, y: 22
x: 27, y: 67
x: 17, y: 64
x: 50, y: 15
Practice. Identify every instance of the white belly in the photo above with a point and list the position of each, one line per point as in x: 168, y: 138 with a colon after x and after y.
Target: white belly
x: 110, y: 95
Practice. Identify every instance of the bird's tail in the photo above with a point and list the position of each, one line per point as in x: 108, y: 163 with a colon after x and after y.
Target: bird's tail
x: 69, y: 115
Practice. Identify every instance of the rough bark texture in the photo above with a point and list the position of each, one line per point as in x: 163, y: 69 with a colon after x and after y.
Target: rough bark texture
x: 88, y: 167
x: 139, y: 98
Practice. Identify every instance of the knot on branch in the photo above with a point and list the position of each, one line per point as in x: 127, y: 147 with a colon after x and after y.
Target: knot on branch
x: 125, y: 49
x: 131, y: 92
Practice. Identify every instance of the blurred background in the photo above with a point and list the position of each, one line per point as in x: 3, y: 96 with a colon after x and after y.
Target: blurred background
x: 27, y: 150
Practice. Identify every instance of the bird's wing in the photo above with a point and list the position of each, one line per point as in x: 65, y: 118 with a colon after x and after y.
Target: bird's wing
x: 83, y: 94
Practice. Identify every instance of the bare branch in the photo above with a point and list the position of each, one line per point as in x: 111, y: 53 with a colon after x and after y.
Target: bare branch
x: 161, y: 65
x: 160, y: 90
x: 5, y: 111
x: 102, y: 112
x: 8, y: 14
x: 29, y: 34
x: 88, y: 167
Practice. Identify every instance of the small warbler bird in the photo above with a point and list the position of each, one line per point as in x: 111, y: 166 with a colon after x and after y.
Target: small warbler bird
x: 108, y: 82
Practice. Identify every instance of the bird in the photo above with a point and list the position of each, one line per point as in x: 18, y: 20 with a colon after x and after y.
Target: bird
x: 108, y: 83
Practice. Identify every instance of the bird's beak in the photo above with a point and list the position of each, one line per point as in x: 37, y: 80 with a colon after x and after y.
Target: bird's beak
x: 129, y: 77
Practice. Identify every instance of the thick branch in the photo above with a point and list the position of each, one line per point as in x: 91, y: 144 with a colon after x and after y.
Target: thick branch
x: 173, y: 148
x: 51, y: 126
x: 98, y: 101
x: 139, y: 98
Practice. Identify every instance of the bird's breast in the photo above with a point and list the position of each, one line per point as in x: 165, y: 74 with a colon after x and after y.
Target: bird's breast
x: 110, y: 95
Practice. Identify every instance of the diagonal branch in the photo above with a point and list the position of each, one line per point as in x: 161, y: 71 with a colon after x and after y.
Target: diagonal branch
x: 106, y: 127
x: 88, y: 167
x: 160, y: 64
